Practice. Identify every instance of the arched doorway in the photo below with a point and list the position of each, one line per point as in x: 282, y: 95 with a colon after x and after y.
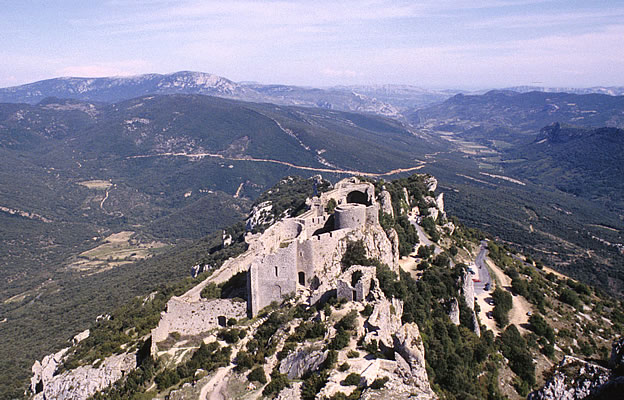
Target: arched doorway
x: 301, y: 278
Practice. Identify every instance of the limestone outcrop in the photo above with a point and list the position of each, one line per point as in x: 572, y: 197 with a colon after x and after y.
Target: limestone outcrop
x: 573, y: 379
x: 385, y: 202
x: 84, y: 381
x: 454, y: 311
x: 411, y: 358
x: 432, y: 184
x: 43, y: 371
x: 468, y: 292
x: 384, y: 321
x: 299, y: 362
x: 440, y: 202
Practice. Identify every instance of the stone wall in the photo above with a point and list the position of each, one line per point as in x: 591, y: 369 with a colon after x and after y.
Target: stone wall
x: 193, y: 318
x: 360, y: 291
x: 271, y: 277
x: 346, y: 186
x: 350, y: 216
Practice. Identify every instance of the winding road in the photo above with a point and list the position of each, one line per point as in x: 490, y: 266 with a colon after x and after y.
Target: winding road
x: 302, y: 167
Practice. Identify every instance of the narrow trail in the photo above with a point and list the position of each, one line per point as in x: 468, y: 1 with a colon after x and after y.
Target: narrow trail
x: 104, y: 199
x: 291, y: 165
x: 212, y: 390
x: 238, y: 191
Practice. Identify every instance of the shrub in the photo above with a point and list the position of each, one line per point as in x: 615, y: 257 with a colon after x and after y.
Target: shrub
x: 541, y: 327
x: 313, y: 385
x: 355, y: 254
x: 257, y: 374
x: 569, y: 297
x: 352, y: 379
x: 368, y: 310
x: 344, y: 367
x: 166, y: 379
x: 244, y: 361
x: 353, y: 354
x: 379, y: 383
x: 515, y: 348
x: 503, y: 303
x: 211, y: 291
x: 288, y: 347
x: 347, y: 322
x: 230, y: 335
x: 278, y: 382
x: 340, y: 341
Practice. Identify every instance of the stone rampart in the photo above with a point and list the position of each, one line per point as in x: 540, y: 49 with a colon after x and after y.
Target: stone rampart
x: 193, y: 318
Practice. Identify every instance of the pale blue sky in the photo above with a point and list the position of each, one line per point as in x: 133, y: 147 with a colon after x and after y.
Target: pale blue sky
x: 433, y: 43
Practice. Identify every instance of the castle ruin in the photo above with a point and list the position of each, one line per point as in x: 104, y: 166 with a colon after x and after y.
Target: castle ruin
x: 302, y: 248
x: 295, y: 255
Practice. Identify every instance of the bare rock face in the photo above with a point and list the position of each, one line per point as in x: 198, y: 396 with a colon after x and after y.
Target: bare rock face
x: 378, y: 245
x: 260, y: 215
x: 291, y: 393
x: 432, y: 184
x: 410, y: 354
x: 440, y: 202
x: 394, y: 239
x: 385, y: 201
x: 573, y: 379
x: 468, y: 290
x: 467, y: 285
x: 454, y: 311
x: 43, y: 371
x: 384, y: 321
x: 298, y: 363
x: 82, y: 382
x: 406, y: 196
x: 475, y: 324
x: 433, y: 213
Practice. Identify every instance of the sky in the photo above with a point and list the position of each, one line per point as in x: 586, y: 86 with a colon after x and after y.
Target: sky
x: 466, y: 44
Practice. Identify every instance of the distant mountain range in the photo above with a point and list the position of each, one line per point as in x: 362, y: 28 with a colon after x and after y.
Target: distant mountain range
x: 388, y: 100
x: 123, y: 88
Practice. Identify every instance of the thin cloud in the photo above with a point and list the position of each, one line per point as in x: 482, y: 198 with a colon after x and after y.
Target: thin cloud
x: 120, y: 68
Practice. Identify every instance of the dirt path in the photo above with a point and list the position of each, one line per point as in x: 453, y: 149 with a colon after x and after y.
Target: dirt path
x: 266, y: 160
x: 216, y: 385
x: 103, y: 200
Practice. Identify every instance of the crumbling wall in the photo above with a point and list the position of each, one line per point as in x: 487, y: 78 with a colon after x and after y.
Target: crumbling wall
x: 193, y: 318
x: 359, y: 292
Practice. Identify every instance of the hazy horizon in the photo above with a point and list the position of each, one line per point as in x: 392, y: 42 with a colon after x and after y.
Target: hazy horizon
x: 440, y: 44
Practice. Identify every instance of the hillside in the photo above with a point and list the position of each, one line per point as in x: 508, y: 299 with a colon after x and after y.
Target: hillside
x: 509, y: 117
x: 351, y: 328
x: 89, y: 190
x: 582, y: 161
